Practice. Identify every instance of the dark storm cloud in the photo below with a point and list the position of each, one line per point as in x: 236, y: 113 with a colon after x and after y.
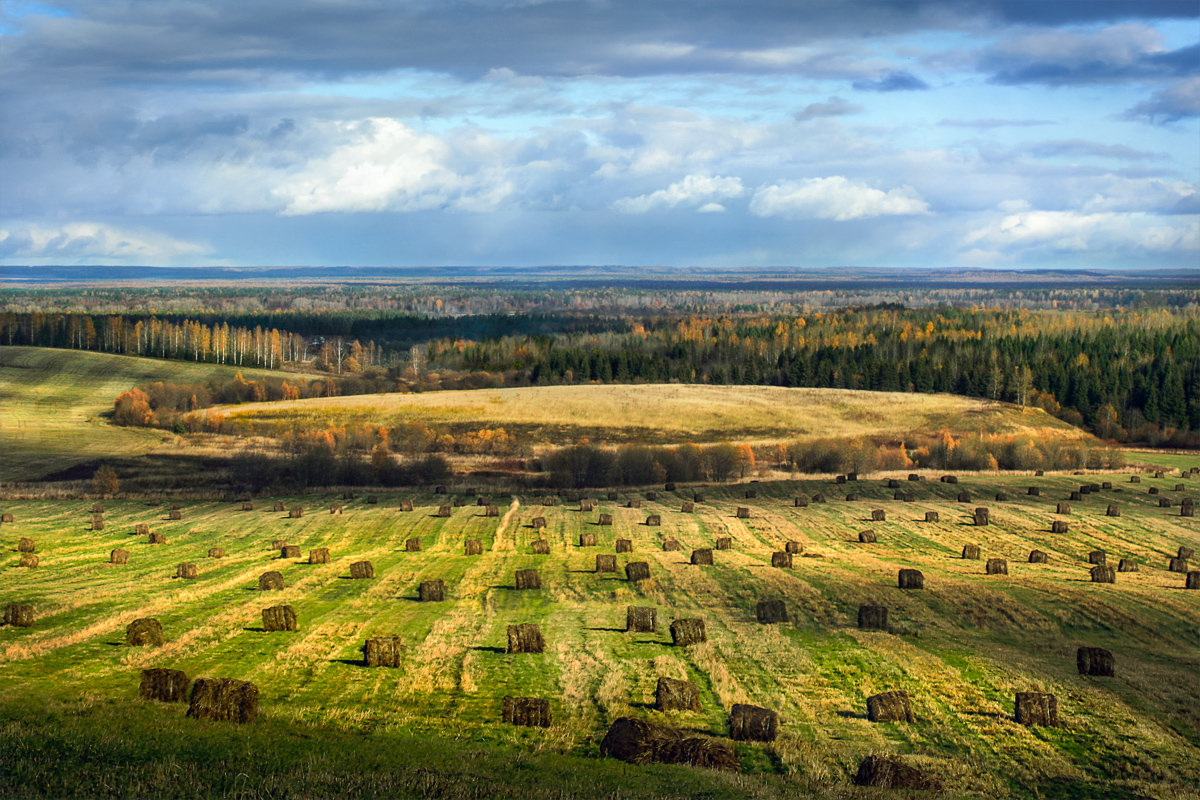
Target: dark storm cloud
x: 892, y: 82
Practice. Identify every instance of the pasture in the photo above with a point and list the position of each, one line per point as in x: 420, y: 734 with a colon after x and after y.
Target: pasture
x: 961, y: 647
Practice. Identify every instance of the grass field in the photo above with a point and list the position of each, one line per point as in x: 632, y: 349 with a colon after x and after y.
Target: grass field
x: 73, y: 725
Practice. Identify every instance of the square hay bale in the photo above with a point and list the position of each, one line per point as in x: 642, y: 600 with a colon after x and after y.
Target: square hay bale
x: 624, y: 545
x: 412, y: 545
x: 932, y: 516
x: 1058, y: 526
x: 675, y: 695
x: 19, y: 615
x: 223, y: 700
x: 964, y: 497
x: 432, y: 591
x: 637, y: 571
x: 752, y: 723
x: 698, y: 497
x: 1103, y: 574
x: 1127, y: 565
x: 654, y: 520
x: 97, y: 522
x: 1192, y: 581
x: 1185, y: 553
x: 702, y: 557
x: 118, y: 556
x: 605, y: 519
x: 641, y: 619
x: 970, y: 551
x: 528, y: 579
x: 878, y: 515
x: 1113, y: 511
x: 1177, y: 565
x: 587, y: 505
x: 540, y: 547
x: 606, y: 562
x: 142, y: 529
x: 1037, y: 557
x: 530, y: 712
x: 1164, y: 502
x: 889, y: 772
x: 793, y: 547
x: 295, y: 513
x: 144, y: 632
x: 444, y: 512
x: 1001, y: 497
x: 873, y: 618
x: 686, y: 632
x: 1094, y: 661
x: 247, y: 506
x: 687, y: 507
x: 851, y: 476
x: 671, y: 543
x: 318, y: 555
x: 279, y: 618
x: 911, y: 579
x: 270, y: 581
x: 1037, y: 708
x: 383, y: 651
x: 981, y: 516
x: 491, y: 511
x: 28, y: 560
x: 1034, y: 491
x: 537, y: 522
x: 278, y: 507
x: 631, y: 503
x: 996, y: 566
x: 782, y: 559
x: 724, y: 543
x: 1097, y: 557
x: 525, y: 638
x: 587, y: 540
x: 26, y: 545
x: 800, y: 502
x: 157, y: 538
x: 639, y: 742
x: 289, y: 551
x: 187, y: 571
x: 890, y: 707
x: 1181, y: 487
x: 362, y: 570
x: 164, y: 685
x: 867, y: 537
x: 743, y: 512
x: 472, y: 547
x: 771, y: 611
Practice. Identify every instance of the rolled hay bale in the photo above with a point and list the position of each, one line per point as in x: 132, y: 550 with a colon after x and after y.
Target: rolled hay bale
x: 118, y: 556
x: 752, y: 723
x: 28, y: 560
x: 605, y: 519
x: 687, y: 507
x: 1039, y: 473
x: 335, y: 509
x: 1094, y: 661
x: 1103, y: 574
x: 1058, y: 526
x: 702, y: 557
x: 383, y: 651
x: 1192, y: 581
x: 840, y: 479
x: 289, y: 551
x: 1134, y: 479
x: 540, y: 547
x: 750, y: 494
x: 698, y: 497
x: 587, y: 505
x: 890, y: 707
x: 624, y: 545
x: 1097, y: 557
x: 164, y: 685
x: 270, y: 581
x: 641, y: 619
x: 889, y: 772
x: 964, y: 497
x: 157, y: 538
x: 932, y: 516
x: 686, y: 632
x: 1106, y: 485
x: 444, y: 512
x: 440, y: 490
x: 724, y: 543
x: 19, y: 615
x: 1034, y: 491
x: 1063, y: 508
x: 1153, y: 490
x: 7, y: 517
x: 635, y: 503
x: 296, y: 513
x: 460, y: 502
x: 525, y: 638
x: 606, y: 562
x: 1076, y: 496
x: 483, y: 501
x: 278, y: 544
x: 142, y: 529
x: 26, y: 545
x: 587, y: 540
x: 318, y: 555
x: 537, y: 522
x: 1113, y: 511
x: 144, y: 632
x: 981, y: 516
x: 904, y: 497
x: 223, y: 700
x: 996, y: 566
x: 1160, y: 474
x: 743, y: 512
x: 637, y: 571
x: 412, y: 545
x: 405, y: 505
x: 851, y: 498
x: 1001, y: 497
x: 472, y: 547
x: 433, y: 591
x: 187, y: 571
x: 912, y: 476
x: 771, y: 611
x: 911, y: 579
x: 669, y: 486
x: 1185, y: 553
x: 97, y: 508
x: 675, y: 695
x: 800, y: 502
x: 873, y: 618
x: 1127, y: 565
x: 279, y: 507
x: 175, y: 514
x: 1037, y: 557
x: 793, y: 547
x: 279, y: 618
x: 1037, y: 708
x: 852, y: 476
x: 1177, y: 565
x: 654, y: 520
x: 866, y: 537
x: 530, y: 712
x: 247, y: 506
x: 97, y: 522
x: 782, y: 559
x: 639, y: 742
x: 1181, y: 487
x: 970, y: 551
x: 949, y: 479
x: 528, y: 579
x: 1187, y: 510
x: 362, y: 570
x: 878, y: 515
x: 670, y: 544
x: 491, y: 511
x: 818, y: 498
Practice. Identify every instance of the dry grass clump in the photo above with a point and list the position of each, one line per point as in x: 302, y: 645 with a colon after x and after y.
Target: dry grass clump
x: 639, y: 742
x: 362, y: 570
x: 675, y: 695
x: 1036, y: 708
x: 19, y: 615
x: 624, y: 545
x: 637, y: 571
x: 144, y: 632
x: 528, y: 579
x: 890, y: 707
x: 164, y: 685
x: 270, y: 581
x: 432, y: 591
x: 687, y: 632
x: 771, y: 611
x: 606, y: 562
x: 525, y: 638
x: 752, y: 723
x: 279, y: 618
x: 383, y: 651
x: 641, y: 619
x: 223, y: 700
x: 531, y: 712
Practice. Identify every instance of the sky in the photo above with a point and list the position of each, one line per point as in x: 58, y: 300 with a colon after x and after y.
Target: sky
x: 706, y: 133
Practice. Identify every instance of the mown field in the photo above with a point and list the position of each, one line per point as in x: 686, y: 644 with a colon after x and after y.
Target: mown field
x: 72, y: 723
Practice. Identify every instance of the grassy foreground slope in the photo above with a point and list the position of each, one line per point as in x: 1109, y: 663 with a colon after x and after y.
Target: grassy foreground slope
x: 962, y: 647
x: 668, y: 413
x: 51, y: 402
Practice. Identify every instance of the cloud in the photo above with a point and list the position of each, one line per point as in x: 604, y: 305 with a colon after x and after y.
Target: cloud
x: 1074, y: 231
x: 834, y: 198
x: 1169, y: 105
x: 1081, y: 148
x: 833, y: 107
x: 692, y: 190
x: 91, y: 242
x: 990, y: 123
x: 892, y: 82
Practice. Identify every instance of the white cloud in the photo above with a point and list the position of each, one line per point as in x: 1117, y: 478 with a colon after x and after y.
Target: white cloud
x: 692, y: 190
x: 1072, y: 231
x: 711, y: 208
x: 91, y: 242
x: 835, y: 198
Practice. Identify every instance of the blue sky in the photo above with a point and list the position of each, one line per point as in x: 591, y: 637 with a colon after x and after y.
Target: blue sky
x: 722, y: 133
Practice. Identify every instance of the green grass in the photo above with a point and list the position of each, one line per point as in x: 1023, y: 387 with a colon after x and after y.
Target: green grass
x: 329, y: 726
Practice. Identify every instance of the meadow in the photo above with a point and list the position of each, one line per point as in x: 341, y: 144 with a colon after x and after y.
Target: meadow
x: 73, y: 724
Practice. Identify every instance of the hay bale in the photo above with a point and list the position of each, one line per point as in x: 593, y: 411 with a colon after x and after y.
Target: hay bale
x: 335, y: 509
x: 444, y: 512
x: 889, y: 772
x: 698, y: 497
x: 654, y: 520
x: 223, y: 700
x: 981, y: 516
x: 970, y: 551
x: 142, y: 529
x: 1037, y: 708
x: 912, y: 476
x: 782, y: 559
x: 687, y: 507
x: 164, y: 685
x: 26, y: 545
x: 187, y: 571
x: 1134, y: 479
x: 175, y: 514
x: 383, y: 651
x: 770, y: 611
x: 752, y: 723
x: 1106, y: 485
x: 669, y: 487
x: 290, y: 551
x: 793, y: 547
x: 6, y: 517
x: 890, y: 707
x: 1058, y: 526
x: 851, y: 498
x: 852, y: 476
x: 279, y: 507
x: 247, y: 506
x: 878, y: 515
x: 904, y: 497
x: 670, y: 544
x: 537, y: 522
x: 702, y: 557
x: 818, y: 498
x: 28, y: 560
x: 19, y: 615
x: 743, y: 512
x: 270, y: 581
x: 1037, y: 557
x: 1097, y: 557
x: 540, y: 547
x: 483, y: 501
x: 632, y: 503
x: 491, y: 511
x: 1185, y: 553
x: 587, y: 505
x: 750, y: 494
x: 1187, y: 511
x: 279, y: 618
x: 866, y: 537
x: 606, y: 562
x: 686, y: 632
x: 1103, y: 574
x: 964, y: 497
x: 587, y: 540
x: 525, y: 638
x: 641, y: 619
x: 318, y: 555
x: 800, y: 502
x: 405, y: 505
x: 528, y: 579
x: 1192, y: 581
x: 639, y: 742
x: 637, y: 571
x: 472, y: 547
x: 1001, y: 497
x: 144, y: 632
x: 296, y: 513
x: 440, y: 490
x: 459, y: 502
x: 893, y: 483
x: 1113, y: 511
x: 1039, y: 473
x: 362, y: 570
x: 97, y: 522
x: 412, y: 545
x: 118, y: 556
x: 531, y: 712
x: 1181, y: 487
x: 1127, y: 565
x: 1034, y: 491
x: 278, y: 544
x: 1177, y: 565
x: 1076, y: 496
x: 911, y: 579
x: 675, y: 695
x: 433, y: 591
x: 624, y: 545
x: 873, y: 618
x: 1063, y: 508
x: 1094, y: 661
x: 932, y: 516
x: 605, y: 519
x: 996, y: 566
x: 724, y: 543
x: 949, y: 479
x: 1164, y: 502
x: 840, y: 479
